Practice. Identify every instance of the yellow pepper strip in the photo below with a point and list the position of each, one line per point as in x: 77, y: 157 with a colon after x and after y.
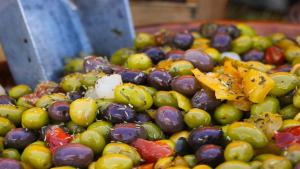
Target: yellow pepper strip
x: 256, y: 85
x: 182, y: 101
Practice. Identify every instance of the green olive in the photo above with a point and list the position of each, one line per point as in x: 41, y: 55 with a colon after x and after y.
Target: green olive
x: 164, y: 163
x: 238, y: 150
x: 73, y: 65
x: 134, y: 95
x: 261, y: 43
x: 102, y: 127
x: 255, y: 164
x: 124, y: 149
x: 83, y: 111
x: 245, y: 131
x: 139, y: 61
x: 176, y: 136
x: 23, y: 102
x: 75, y: 128
x: 13, y: 113
x: 276, y: 162
x: 197, y: 117
x: 289, y: 112
x: 121, y: 56
x: 292, y: 153
x: 270, y: 104
x: 289, y: 123
x: 37, y: 156
x: 92, y: 165
x: 143, y: 40
x: 214, y: 54
x: 26, y: 166
x: 1, y: 144
x: 284, y: 83
x: 182, y: 101
x: 234, y: 165
x: 191, y: 160
x: 47, y: 100
x: 276, y: 37
x: 164, y: 98
x: 89, y: 79
x: 19, y: 91
x: 202, y: 166
x: 181, y: 67
x: 296, y: 99
x: 263, y: 157
x: 76, y: 138
x: 5, y: 126
x: 292, y: 52
x: 71, y: 82
x: 227, y: 113
x: 151, y: 113
x: 114, y: 161
x: 93, y: 139
x: 149, y: 89
x: 11, y: 153
x: 153, y: 131
x: 242, y: 44
x: 34, y: 118
x: 41, y: 143
x: 246, y: 29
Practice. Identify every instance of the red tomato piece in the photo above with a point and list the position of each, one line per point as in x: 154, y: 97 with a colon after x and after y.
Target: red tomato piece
x: 151, y: 151
x: 274, y: 55
x: 56, y: 137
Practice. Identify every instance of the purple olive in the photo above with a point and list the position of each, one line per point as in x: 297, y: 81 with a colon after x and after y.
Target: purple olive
x: 199, y: 59
x: 160, y: 79
x: 205, y: 135
x: 156, y: 54
x: 175, y: 54
x: 281, y: 68
x: 76, y: 155
x: 142, y: 118
x: 127, y: 132
x: 183, y: 40
x: 119, y: 113
x: 133, y: 76
x: 253, y: 55
x: 205, y: 99
x: 59, y: 111
x: 19, y: 138
x: 93, y: 63
x: 169, y: 119
x: 231, y: 30
x: 221, y: 41
x: 4, y: 99
x: 208, y: 29
x: 182, y: 147
x: 74, y: 95
x: 210, y: 154
x: 8, y: 163
x: 187, y: 85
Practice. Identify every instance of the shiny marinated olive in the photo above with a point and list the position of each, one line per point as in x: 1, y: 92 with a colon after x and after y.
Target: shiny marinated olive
x: 71, y: 82
x: 210, y: 154
x: 270, y: 104
x: 214, y: 54
x: 175, y: 54
x: 205, y: 135
x: 253, y: 55
x: 156, y: 54
x: 246, y: 29
x: 284, y: 83
x: 187, y: 85
x: 4, y: 99
x: 76, y: 155
x: 93, y: 63
x: 118, y: 113
x: 34, y: 118
x: 242, y: 44
x: 221, y: 41
x: 5, y: 126
x: 83, y: 111
x: 164, y: 98
x: 73, y: 65
x: 37, y: 156
x: 292, y: 52
x: 143, y: 40
x: 127, y: 132
x: 261, y: 43
x: 205, y: 99
x: 142, y: 118
x: 133, y: 76
x: 289, y: 112
x: 183, y: 40
x: 181, y: 67
x: 19, y: 138
x: 102, y: 127
x: 11, y: 153
x: 169, y: 119
x: 238, y: 150
x: 74, y: 128
x: 93, y: 140
x: 139, y: 61
x: 160, y: 79
x: 7, y: 163
x: 199, y: 59
x: 202, y: 166
x: 197, y: 118
x: 153, y: 131
x: 227, y: 113
x: 208, y: 29
x: 19, y: 91
x: 182, y: 146
x: 11, y: 112
x: 59, y: 111
x: 184, y: 134
x: 46, y: 100
x: 276, y: 162
x: 234, y: 165
x: 121, y: 55
x: 114, y: 161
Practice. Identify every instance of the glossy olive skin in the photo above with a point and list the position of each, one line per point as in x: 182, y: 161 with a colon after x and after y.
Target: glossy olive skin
x: 205, y: 135
x: 199, y: 59
x: 221, y: 41
x: 76, y: 155
x: 92, y: 63
x: 160, y: 79
x: 19, y: 138
x: 253, y: 55
x: 74, y: 95
x: 7, y: 163
x: 4, y: 99
x: 118, y: 113
x: 182, y: 147
x: 142, y: 118
x: 210, y: 154
x: 238, y: 150
x: 169, y: 119
x: 156, y: 54
x: 208, y: 29
x: 186, y: 84
x: 183, y: 40
x: 127, y: 132
x: 175, y: 54
x: 206, y: 100
x: 133, y: 76
x: 59, y: 111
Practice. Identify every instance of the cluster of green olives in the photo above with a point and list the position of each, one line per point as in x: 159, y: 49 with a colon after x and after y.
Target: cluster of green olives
x: 145, y: 108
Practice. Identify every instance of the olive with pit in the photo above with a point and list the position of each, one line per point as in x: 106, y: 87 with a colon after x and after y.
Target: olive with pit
x: 102, y: 127
x: 114, y: 161
x: 59, y: 111
x: 221, y: 41
x: 160, y: 79
x: 239, y: 150
x: 205, y: 99
x: 181, y: 67
x: 127, y: 132
x: 34, y: 118
x: 210, y: 154
x: 133, y: 76
x: 169, y: 119
x: 118, y: 113
x: 205, y: 135
x: 156, y: 54
x: 187, y: 85
x: 227, y: 113
x: 153, y: 131
x: 19, y: 138
x: 76, y: 155
x: 183, y: 40
x: 199, y: 59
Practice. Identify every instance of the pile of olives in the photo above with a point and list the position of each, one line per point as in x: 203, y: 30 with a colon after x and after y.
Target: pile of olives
x: 145, y: 108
